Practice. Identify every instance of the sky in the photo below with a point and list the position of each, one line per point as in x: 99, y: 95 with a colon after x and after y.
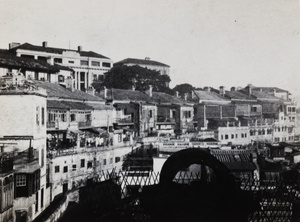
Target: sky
x: 205, y: 42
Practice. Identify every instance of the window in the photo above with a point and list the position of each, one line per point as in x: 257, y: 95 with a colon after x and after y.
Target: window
x: 95, y: 77
x: 106, y: 64
x: 61, y: 78
x: 42, y: 58
x: 65, y: 169
x: 89, y: 164
x: 242, y: 135
x: 117, y: 159
x: 74, y: 167
x: 42, y: 156
x: 110, y: 160
x: 73, y: 117
x: 82, y: 162
x: 150, y: 114
x: 236, y: 136
x: 226, y: 137
x: 71, y: 61
x: 57, y: 60
x: 245, y: 135
x: 95, y: 63
x: 56, y: 169
x: 222, y: 137
x: 20, y: 180
x: 27, y: 56
x: 232, y: 136
x: 104, y: 161
x: 293, y: 109
x: 253, y: 109
x: 120, y: 137
x: 38, y: 115
x: 43, y: 116
x: 88, y: 117
x: 84, y: 62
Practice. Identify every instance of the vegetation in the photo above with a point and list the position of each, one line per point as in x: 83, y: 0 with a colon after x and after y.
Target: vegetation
x: 126, y: 77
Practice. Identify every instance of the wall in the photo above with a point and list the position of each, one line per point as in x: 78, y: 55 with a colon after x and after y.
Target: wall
x: 240, y: 135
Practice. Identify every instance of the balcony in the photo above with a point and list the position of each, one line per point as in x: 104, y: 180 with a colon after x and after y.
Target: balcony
x: 85, y: 124
x: 59, y: 125
x: 162, y: 119
x: 124, y: 120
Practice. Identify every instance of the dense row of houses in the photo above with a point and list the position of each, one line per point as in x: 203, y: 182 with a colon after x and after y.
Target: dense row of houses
x: 58, y: 132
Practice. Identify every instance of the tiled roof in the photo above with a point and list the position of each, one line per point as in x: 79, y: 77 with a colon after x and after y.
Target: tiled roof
x: 68, y: 105
x: 58, y: 91
x: 9, y: 60
x: 126, y: 95
x: 212, y: 96
x: 265, y: 96
x: 140, y: 62
x: 160, y: 97
x: 269, y: 89
x: 28, y: 46
x: 236, y: 95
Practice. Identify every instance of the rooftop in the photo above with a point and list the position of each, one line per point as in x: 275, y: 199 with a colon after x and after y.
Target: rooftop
x: 9, y: 60
x: 125, y: 95
x: 28, y: 46
x: 58, y: 91
x: 161, y: 98
x: 140, y: 62
x: 210, y: 96
x: 236, y: 95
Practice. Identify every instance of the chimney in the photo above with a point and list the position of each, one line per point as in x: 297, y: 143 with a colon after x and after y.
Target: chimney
x: 13, y: 45
x: 147, y: 58
x: 105, y: 93
x: 150, y: 90
x: 133, y: 88
x: 249, y: 89
x: 79, y: 48
x: 222, y: 90
x: 185, y: 96
x: 232, y: 89
x: 69, y: 83
x: 177, y: 94
x: 45, y: 44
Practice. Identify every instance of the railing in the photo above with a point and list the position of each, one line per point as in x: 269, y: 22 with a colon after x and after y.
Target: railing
x: 165, y: 120
x: 124, y: 120
x: 278, y: 200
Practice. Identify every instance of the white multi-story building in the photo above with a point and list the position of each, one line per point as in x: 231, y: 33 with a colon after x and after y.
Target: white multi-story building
x: 87, y: 66
x: 23, y: 129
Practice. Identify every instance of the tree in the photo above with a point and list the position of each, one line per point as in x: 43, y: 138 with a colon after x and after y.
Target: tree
x: 183, y: 88
x: 124, y: 77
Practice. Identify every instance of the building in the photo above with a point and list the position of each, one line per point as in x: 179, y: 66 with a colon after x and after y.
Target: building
x: 31, y: 68
x: 87, y: 66
x: 146, y: 63
x: 134, y: 111
x: 174, y: 115
x: 23, y: 119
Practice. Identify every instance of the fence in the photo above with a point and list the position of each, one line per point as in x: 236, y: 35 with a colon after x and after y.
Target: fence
x: 115, y: 196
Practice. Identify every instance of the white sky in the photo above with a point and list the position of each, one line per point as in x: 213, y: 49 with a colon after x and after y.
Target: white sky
x: 206, y: 42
